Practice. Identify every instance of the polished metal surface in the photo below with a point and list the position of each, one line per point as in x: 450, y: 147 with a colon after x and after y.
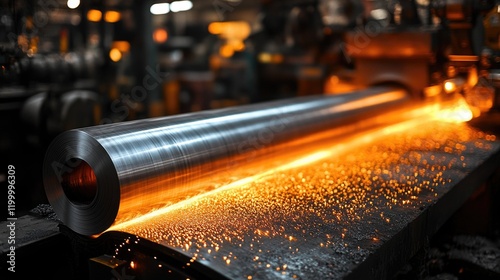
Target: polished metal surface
x: 97, y: 175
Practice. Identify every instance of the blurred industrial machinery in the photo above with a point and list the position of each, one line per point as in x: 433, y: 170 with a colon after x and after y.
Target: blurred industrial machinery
x: 48, y: 83
x: 291, y: 48
x: 90, y: 66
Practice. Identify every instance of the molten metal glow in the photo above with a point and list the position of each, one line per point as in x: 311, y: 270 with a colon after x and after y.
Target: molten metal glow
x: 80, y: 185
x: 355, y: 182
x: 338, y: 200
x: 455, y: 111
x: 450, y: 87
x: 387, y: 97
x: 243, y: 182
x: 321, y: 198
x: 305, y: 160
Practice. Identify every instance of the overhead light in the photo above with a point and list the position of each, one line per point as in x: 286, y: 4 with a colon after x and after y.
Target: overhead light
x: 379, y: 14
x: 226, y: 51
x: 115, y: 55
x: 94, y: 15
x: 181, y: 6
x: 216, y: 28
x: 112, y: 16
x: 160, y: 35
x: 73, y: 4
x: 122, y: 46
x: 160, y: 8
x: 230, y: 29
x: 238, y: 45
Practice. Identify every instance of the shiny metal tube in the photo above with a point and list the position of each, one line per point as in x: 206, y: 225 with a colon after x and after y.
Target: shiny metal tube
x: 96, y: 175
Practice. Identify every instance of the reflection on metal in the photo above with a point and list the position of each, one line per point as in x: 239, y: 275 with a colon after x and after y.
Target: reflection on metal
x: 322, y: 215
x: 269, y: 190
x: 456, y: 111
x: 164, y: 160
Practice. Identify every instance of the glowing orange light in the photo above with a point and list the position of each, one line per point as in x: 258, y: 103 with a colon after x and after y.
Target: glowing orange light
x: 480, y: 98
x: 133, y: 265
x: 450, y: 87
x: 238, y: 45
x: 277, y: 58
x: 337, y: 182
x: 302, y: 161
x: 122, y: 46
x: 265, y: 57
x: 160, y: 35
x: 233, y: 33
x: 115, y: 55
x: 94, y: 15
x: 386, y: 97
x: 215, y: 28
x: 457, y: 112
x: 432, y: 91
x: 408, y: 51
x: 331, y: 84
x: 334, y: 80
x: 112, y: 16
x: 230, y: 29
x: 473, y: 78
x: 226, y: 51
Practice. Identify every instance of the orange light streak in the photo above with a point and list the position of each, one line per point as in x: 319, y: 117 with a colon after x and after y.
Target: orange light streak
x: 450, y: 87
x: 386, y: 97
x: 321, y: 197
x: 456, y: 111
x: 243, y: 182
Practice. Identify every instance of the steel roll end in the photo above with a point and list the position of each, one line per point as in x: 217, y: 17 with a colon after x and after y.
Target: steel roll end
x: 81, y: 183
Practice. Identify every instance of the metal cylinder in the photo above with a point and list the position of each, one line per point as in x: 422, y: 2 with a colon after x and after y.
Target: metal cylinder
x: 95, y: 175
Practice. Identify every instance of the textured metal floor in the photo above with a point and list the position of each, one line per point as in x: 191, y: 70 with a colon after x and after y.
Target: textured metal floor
x: 354, y: 211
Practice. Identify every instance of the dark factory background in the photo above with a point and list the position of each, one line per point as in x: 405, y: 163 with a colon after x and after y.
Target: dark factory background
x: 69, y: 64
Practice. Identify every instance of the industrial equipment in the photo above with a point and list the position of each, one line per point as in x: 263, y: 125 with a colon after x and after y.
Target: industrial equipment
x: 371, y: 124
